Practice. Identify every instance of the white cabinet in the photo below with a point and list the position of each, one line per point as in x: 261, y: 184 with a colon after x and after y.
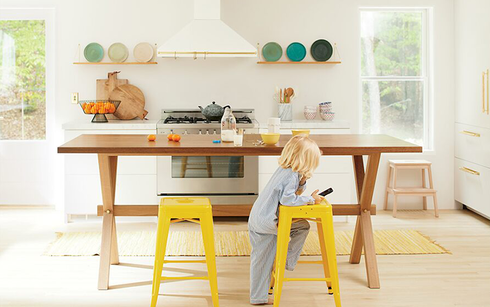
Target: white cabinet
x: 135, y: 183
x: 472, y: 186
x: 472, y: 144
x: 472, y: 129
x: 472, y: 28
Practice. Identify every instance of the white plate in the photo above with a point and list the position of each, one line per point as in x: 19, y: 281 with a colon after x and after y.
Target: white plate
x: 143, y: 52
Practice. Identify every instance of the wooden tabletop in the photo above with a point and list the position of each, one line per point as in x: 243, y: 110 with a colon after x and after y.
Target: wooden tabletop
x: 202, y: 145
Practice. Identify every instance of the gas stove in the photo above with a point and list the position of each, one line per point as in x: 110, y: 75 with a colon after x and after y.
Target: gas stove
x: 195, y: 120
x: 191, y: 121
x: 224, y: 180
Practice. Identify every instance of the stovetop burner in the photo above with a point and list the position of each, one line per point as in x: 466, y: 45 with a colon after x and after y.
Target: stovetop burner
x: 196, y: 120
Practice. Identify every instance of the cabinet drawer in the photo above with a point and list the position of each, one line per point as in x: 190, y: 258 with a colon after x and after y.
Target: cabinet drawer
x: 328, y: 165
x: 472, y: 144
x: 472, y: 185
x: 89, y: 165
x: 83, y: 195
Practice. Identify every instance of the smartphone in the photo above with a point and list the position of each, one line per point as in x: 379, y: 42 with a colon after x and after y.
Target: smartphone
x: 326, y: 192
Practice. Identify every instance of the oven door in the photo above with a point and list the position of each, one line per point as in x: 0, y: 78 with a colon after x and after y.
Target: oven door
x: 207, y: 175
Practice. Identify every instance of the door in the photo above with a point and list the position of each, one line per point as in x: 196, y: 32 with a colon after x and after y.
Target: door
x: 472, y: 59
x: 205, y: 175
x: 29, y: 173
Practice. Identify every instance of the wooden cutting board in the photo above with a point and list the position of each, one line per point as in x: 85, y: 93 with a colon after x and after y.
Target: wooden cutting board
x: 106, y: 86
x: 132, y: 102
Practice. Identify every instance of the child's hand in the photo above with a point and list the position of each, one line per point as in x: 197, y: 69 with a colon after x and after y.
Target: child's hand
x: 318, y: 198
x: 302, y: 181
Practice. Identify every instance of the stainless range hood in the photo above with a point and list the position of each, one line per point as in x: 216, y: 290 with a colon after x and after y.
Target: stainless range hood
x: 206, y: 36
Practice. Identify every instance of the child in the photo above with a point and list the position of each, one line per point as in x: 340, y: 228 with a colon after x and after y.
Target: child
x: 299, y: 158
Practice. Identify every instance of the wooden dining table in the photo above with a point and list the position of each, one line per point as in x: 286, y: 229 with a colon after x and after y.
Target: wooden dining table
x: 110, y: 147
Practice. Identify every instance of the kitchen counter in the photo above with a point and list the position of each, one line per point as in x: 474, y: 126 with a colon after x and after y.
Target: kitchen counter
x: 134, y: 124
x: 311, y: 124
x: 138, y: 124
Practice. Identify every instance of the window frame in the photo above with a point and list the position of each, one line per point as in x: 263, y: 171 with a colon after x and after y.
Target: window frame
x: 426, y: 71
x: 48, y: 15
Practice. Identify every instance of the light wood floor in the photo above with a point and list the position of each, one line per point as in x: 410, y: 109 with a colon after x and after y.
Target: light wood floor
x: 460, y: 279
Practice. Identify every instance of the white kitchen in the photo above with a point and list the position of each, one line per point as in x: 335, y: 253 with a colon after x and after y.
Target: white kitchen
x: 138, y: 141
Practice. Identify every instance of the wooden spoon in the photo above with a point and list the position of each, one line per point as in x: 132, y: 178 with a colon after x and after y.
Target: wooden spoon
x: 290, y: 93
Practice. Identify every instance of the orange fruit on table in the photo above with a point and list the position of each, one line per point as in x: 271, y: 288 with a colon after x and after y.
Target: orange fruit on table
x: 170, y: 137
x: 152, y: 137
x: 175, y: 137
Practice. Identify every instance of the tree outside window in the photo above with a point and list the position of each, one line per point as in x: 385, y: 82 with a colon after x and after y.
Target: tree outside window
x: 393, y: 74
x: 22, y: 80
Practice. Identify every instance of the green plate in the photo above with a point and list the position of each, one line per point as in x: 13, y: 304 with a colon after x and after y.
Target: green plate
x: 321, y: 50
x: 296, y: 52
x: 93, y: 52
x: 118, y: 52
x: 272, y: 52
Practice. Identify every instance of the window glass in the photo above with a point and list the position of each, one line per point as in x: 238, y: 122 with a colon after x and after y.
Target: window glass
x: 22, y: 80
x: 393, y: 74
x: 208, y: 167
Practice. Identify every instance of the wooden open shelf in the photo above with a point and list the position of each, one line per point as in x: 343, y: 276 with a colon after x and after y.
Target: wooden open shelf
x: 115, y: 63
x: 299, y: 63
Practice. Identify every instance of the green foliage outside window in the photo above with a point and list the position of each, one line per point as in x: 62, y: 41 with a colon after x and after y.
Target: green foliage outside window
x: 392, y: 74
x: 23, y: 80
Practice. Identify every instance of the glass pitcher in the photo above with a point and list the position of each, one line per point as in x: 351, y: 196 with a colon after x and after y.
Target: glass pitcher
x: 228, y: 125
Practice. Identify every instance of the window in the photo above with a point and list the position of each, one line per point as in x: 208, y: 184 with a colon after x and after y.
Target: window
x: 22, y: 80
x: 394, y: 74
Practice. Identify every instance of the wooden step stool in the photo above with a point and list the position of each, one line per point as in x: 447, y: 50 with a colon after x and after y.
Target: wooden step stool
x: 424, y: 191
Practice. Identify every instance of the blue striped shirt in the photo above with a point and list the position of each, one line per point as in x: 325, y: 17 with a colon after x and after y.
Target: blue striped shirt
x: 281, y: 189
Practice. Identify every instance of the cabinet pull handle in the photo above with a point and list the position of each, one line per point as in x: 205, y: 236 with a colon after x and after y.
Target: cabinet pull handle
x: 470, y: 171
x: 470, y: 133
x: 488, y: 91
x: 485, y: 89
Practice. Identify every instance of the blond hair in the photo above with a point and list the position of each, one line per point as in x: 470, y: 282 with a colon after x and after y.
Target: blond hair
x: 301, y: 154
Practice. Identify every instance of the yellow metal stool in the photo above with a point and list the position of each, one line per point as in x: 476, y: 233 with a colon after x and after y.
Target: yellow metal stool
x: 322, y: 215
x: 193, y: 209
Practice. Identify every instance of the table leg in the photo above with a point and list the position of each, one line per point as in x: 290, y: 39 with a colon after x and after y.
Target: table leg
x: 364, y: 230
x: 355, y: 256
x: 108, y: 249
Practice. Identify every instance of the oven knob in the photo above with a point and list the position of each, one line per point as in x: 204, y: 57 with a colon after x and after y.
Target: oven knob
x: 171, y: 131
x: 200, y: 132
x: 207, y: 131
x: 185, y: 132
x: 214, y: 131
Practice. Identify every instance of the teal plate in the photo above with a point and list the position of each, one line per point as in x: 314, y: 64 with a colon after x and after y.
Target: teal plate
x: 93, y: 52
x: 272, y: 52
x: 321, y: 50
x: 296, y: 52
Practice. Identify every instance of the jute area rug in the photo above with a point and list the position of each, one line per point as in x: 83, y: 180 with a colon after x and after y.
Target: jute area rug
x: 234, y: 243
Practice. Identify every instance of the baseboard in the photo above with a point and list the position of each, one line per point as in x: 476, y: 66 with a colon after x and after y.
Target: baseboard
x: 27, y: 206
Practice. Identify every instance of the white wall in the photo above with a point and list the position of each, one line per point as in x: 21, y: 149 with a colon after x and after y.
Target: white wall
x: 240, y: 82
